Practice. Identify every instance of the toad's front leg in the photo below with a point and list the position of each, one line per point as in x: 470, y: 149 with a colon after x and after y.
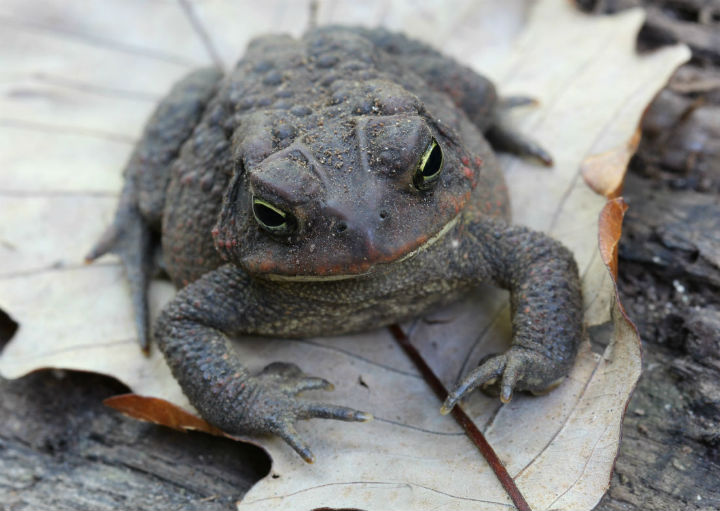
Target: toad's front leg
x: 546, y: 307
x: 192, y: 333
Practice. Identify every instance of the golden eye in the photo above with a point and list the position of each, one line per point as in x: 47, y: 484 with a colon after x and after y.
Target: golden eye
x: 429, y: 167
x: 271, y: 218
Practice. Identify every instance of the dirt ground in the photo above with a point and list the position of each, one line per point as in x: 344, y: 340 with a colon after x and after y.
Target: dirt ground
x: 61, y: 449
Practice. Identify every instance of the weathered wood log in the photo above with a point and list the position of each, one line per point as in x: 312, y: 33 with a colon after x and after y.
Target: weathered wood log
x: 694, y: 22
x: 669, y: 457
x: 676, y: 232
x: 60, y: 448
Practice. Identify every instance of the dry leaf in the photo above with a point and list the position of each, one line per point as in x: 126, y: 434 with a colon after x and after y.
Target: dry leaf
x: 79, y: 80
x: 605, y: 172
x: 610, y: 228
x: 159, y: 411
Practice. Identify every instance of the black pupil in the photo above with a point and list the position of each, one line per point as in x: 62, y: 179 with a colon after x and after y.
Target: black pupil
x: 267, y: 216
x: 432, y: 164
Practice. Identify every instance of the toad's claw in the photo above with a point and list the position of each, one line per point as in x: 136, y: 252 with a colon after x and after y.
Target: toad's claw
x: 276, y: 407
x: 317, y: 411
x: 487, y: 371
x: 509, y: 102
x: 291, y: 436
x: 518, y: 367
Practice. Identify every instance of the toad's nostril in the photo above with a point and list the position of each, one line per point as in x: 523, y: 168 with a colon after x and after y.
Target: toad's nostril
x: 383, y: 214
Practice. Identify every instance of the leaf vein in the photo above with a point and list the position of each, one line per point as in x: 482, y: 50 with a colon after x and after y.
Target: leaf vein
x: 564, y: 423
x: 65, y: 130
x: 380, y: 483
x: 358, y: 357
x: 94, y: 40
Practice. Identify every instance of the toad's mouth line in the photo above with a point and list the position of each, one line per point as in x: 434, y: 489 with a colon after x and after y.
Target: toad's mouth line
x: 326, y: 278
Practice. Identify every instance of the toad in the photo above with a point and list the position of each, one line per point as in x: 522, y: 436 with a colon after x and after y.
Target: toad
x: 328, y: 184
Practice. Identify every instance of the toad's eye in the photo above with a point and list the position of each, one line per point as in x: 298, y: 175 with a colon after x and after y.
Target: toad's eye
x: 429, y: 167
x: 271, y: 218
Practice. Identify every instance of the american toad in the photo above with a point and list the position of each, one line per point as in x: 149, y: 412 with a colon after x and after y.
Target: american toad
x: 330, y: 184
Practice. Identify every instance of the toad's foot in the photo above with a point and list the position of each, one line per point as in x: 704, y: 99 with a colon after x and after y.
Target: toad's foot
x: 192, y: 332
x: 504, y: 138
x: 272, y: 405
x: 519, y: 367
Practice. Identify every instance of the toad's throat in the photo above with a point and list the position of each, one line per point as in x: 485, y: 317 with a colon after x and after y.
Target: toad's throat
x: 326, y: 278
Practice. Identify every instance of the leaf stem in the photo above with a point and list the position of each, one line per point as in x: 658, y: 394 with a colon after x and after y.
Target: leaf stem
x: 461, y: 417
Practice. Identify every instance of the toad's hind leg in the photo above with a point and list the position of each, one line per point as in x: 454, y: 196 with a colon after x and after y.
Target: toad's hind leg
x: 470, y: 91
x: 134, y: 232
x: 130, y: 237
x: 504, y: 138
x: 478, y: 98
